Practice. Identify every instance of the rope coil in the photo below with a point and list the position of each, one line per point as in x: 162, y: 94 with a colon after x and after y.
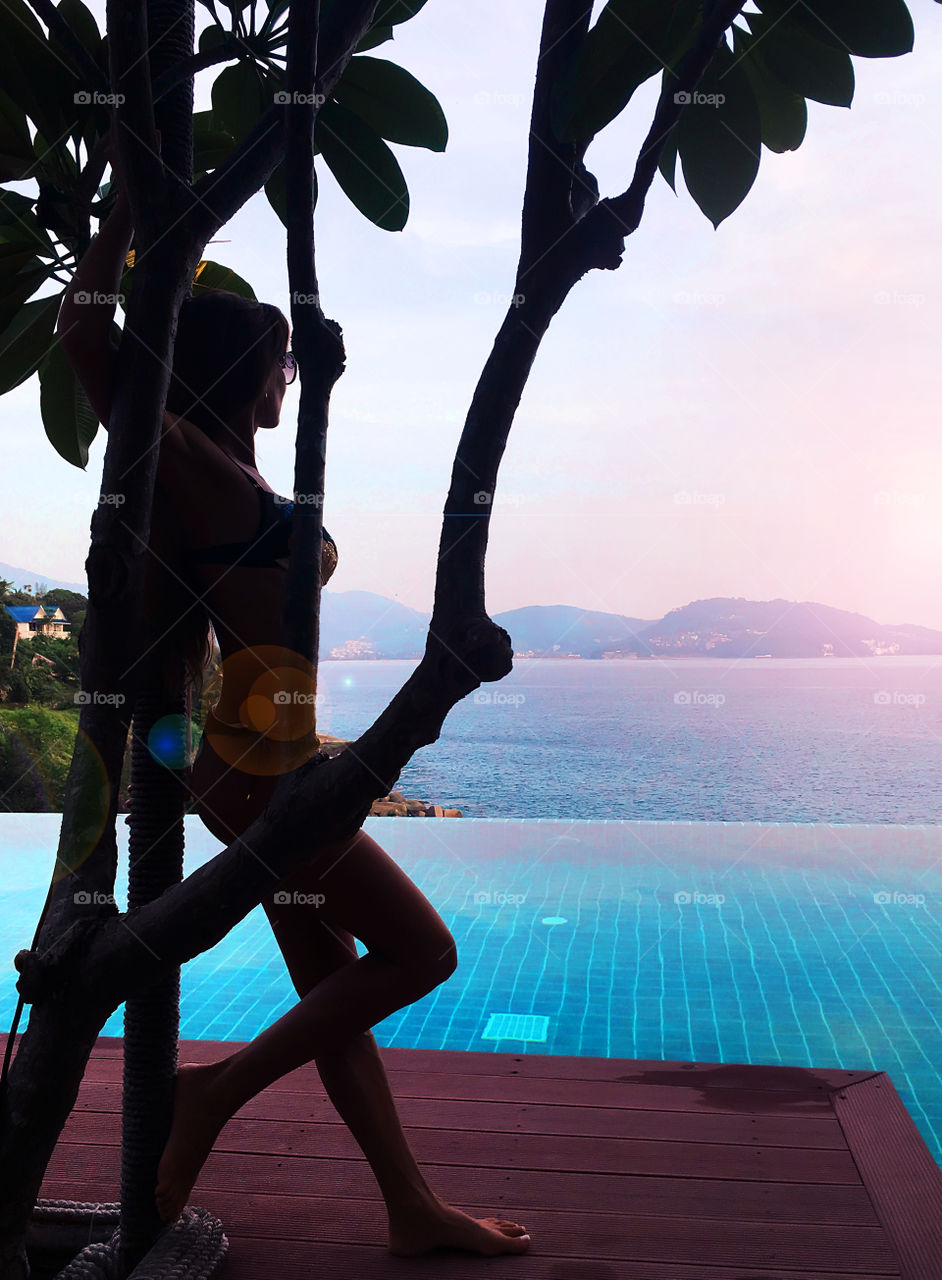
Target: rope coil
x: 191, y: 1248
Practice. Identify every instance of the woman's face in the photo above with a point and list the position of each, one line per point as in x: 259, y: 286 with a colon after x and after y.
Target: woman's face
x: 268, y: 407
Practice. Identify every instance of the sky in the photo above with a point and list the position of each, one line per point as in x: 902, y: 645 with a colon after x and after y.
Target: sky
x: 749, y: 411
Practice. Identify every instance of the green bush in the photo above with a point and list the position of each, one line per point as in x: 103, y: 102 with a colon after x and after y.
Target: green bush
x: 35, y: 752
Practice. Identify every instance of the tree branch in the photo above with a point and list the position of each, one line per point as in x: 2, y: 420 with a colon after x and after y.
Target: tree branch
x: 188, y: 67
x: 85, y: 64
x: 135, y: 135
x: 629, y: 206
x: 548, y: 198
x: 220, y: 194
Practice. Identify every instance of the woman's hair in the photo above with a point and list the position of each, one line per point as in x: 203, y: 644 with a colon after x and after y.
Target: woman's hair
x: 226, y: 347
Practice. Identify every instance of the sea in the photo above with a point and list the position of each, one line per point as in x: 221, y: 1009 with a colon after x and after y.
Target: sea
x: 837, y: 740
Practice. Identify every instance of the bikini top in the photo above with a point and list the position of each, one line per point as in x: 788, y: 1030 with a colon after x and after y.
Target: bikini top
x: 269, y: 547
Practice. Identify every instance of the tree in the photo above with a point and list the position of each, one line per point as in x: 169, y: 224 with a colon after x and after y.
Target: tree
x: 730, y: 83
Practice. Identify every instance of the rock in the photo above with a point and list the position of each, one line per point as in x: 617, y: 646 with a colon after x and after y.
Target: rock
x: 397, y: 797
x: 434, y: 811
x: 387, y: 809
x: 451, y: 813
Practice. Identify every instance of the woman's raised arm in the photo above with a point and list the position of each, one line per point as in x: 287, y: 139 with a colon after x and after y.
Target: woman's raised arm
x: 88, y: 307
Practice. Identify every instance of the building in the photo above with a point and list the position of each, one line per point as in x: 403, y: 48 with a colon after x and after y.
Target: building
x: 38, y: 619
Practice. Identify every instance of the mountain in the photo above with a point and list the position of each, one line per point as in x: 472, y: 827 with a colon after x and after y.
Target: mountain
x: 559, y: 629
x: 722, y: 627
x: 20, y: 577
x: 361, y: 624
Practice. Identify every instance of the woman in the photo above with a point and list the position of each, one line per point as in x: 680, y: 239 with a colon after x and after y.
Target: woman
x: 219, y: 547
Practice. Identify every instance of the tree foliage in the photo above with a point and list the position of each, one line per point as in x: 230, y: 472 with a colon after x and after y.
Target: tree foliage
x: 52, y: 126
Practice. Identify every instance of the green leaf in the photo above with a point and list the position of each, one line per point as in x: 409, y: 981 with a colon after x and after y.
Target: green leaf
x: 211, y: 275
x: 18, y: 224
x: 631, y: 41
x: 25, y: 342
x: 16, y: 149
x: 805, y: 65
x: 21, y: 274
x: 866, y: 28
x: 82, y: 21
x: 667, y: 162
x: 240, y: 95
x: 365, y: 168
x: 211, y: 144
x: 68, y: 419
x: 37, y: 81
x: 782, y: 112
x: 719, y: 136
x: 213, y: 36
x: 395, y: 11
x: 393, y: 103
x: 373, y: 37
x: 277, y: 194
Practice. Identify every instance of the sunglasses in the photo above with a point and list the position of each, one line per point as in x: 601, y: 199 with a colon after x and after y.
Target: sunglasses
x: 290, y: 366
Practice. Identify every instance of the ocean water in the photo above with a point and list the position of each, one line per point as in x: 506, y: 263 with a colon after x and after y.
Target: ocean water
x: 704, y: 740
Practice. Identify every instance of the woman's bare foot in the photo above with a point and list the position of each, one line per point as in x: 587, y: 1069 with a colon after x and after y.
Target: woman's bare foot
x: 195, y: 1128
x: 442, y: 1226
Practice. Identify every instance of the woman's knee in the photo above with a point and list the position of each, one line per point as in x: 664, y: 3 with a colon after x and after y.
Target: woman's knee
x: 431, y: 963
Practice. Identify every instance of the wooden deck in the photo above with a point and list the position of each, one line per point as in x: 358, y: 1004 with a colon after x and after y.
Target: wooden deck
x: 620, y: 1170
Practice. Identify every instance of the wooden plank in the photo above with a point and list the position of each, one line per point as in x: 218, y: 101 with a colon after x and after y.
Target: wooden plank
x: 715, y: 1075
x: 904, y: 1181
x: 251, y: 1257
x: 581, y: 1121
x: 555, y: 1190
x: 541, y: 1151
x: 602, y: 1237
x: 603, y: 1095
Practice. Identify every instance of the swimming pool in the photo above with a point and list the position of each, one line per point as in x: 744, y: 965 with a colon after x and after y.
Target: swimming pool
x: 797, y: 944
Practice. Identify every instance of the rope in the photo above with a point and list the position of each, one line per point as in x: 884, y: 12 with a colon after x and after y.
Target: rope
x: 189, y: 1249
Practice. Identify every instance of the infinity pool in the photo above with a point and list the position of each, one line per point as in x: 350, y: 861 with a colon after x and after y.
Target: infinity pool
x: 806, y: 945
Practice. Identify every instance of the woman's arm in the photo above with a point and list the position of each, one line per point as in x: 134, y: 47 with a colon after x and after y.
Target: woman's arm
x: 88, y: 307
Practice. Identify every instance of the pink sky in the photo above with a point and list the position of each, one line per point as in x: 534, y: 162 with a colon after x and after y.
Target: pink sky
x: 750, y: 411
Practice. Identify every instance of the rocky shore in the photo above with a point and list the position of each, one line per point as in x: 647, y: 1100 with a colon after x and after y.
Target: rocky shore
x: 395, y: 805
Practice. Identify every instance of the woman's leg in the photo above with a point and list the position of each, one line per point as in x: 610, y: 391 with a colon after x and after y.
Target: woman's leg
x: 206, y: 1097
x: 356, y: 1083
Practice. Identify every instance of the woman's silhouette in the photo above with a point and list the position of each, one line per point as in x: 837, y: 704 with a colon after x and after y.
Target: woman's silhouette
x: 219, y: 535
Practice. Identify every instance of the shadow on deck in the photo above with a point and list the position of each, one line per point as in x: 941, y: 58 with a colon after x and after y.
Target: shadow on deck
x: 619, y: 1169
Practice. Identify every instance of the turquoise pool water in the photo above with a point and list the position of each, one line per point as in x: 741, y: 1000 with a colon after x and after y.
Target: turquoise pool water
x: 797, y: 944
